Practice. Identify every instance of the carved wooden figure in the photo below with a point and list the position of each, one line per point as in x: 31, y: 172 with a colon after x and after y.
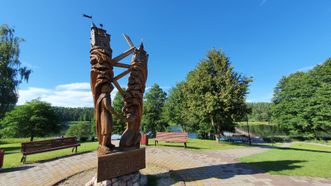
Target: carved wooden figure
x: 133, y: 99
x: 103, y: 82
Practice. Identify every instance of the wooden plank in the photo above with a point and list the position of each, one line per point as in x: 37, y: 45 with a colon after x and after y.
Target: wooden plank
x: 48, y: 145
x: 120, y: 163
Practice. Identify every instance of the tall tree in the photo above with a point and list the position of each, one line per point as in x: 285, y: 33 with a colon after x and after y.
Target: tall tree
x: 216, y: 93
x: 35, y: 118
x: 12, y: 73
x: 118, y: 103
x: 153, y: 107
x: 175, y: 108
x: 302, y: 102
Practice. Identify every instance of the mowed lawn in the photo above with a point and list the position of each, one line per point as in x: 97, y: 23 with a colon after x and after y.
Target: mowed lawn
x: 13, y: 153
x: 200, y: 144
x: 300, y: 159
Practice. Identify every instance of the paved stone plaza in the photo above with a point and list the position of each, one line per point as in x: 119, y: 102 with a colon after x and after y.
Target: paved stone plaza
x: 189, y: 167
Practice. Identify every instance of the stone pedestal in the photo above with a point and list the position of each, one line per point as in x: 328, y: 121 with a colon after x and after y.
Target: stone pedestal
x: 133, y: 179
x: 120, y: 163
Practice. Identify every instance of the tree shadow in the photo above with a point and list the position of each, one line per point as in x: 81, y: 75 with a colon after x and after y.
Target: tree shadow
x: 289, y: 148
x: 226, y: 171
x: 175, y: 145
x: 60, y: 157
x: 170, y: 144
x: 11, y: 150
x: 16, y: 169
x: 298, y: 149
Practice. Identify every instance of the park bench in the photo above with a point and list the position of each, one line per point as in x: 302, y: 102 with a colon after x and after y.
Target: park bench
x: 35, y: 147
x: 180, y: 137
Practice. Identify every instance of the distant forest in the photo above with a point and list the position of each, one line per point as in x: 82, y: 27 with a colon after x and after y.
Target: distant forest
x: 74, y: 114
x: 260, y: 111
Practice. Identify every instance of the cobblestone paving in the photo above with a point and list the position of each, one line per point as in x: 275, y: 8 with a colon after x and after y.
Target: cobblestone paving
x: 188, y: 167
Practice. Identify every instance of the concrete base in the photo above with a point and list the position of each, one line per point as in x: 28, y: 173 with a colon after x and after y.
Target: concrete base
x: 120, y: 163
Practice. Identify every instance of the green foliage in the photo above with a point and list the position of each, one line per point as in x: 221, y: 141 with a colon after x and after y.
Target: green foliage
x: 300, y: 159
x: 35, y: 118
x: 153, y: 108
x: 263, y: 130
x: 20, y: 140
x: 74, y: 114
x: 175, y: 107
x: 216, y: 94
x: 82, y: 130
x: 302, y: 101
x: 12, y: 73
x: 260, y: 111
x: 118, y: 104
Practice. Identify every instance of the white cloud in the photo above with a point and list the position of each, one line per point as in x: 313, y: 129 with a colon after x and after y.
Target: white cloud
x: 74, y: 86
x: 65, y: 95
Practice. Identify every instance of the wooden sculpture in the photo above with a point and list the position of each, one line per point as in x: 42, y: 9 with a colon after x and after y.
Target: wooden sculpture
x: 133, y: 99
x: 103, y: 82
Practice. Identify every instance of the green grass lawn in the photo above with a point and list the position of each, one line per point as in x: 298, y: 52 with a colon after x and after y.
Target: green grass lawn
x: 13, y: 153
x: 301, y: 159
x: 200, y: 144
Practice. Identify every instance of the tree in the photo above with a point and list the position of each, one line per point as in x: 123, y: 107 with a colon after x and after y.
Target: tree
x: 12, y: 73
x: 302, y: 102
x: 261, y: 111
x: 175, y: 108
x: 35, y: 118
x: 118, y: 104
x: 153, y: 107
x: 81, y: 129
x: 216, y: 93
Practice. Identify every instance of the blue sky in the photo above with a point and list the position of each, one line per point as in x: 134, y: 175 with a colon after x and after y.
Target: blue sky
x: 265, y: 39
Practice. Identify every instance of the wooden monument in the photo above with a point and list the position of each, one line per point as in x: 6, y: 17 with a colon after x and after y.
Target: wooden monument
x: 128, y: 157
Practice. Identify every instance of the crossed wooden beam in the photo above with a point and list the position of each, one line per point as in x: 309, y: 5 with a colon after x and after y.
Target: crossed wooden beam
x: 116, y: 62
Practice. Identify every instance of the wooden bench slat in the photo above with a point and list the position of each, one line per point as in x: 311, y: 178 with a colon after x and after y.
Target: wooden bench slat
x: 172, y: 137
x: 47, y: 150
x: 35, y: 147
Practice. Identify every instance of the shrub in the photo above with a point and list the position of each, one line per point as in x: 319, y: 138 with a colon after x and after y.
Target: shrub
x: 82, y: 130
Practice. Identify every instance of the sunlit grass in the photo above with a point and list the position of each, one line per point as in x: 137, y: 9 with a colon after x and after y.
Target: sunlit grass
x: 13, y: 153
x: 200, y: 144
x: 301, y: 159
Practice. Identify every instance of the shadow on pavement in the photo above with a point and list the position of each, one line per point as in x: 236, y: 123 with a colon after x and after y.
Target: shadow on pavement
x: 226, y: 171
x: 16, y: 169
x: 61, y: 157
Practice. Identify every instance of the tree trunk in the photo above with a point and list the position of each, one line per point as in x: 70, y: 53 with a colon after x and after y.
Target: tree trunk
x: 31, y: 138
x: 217, y: 132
